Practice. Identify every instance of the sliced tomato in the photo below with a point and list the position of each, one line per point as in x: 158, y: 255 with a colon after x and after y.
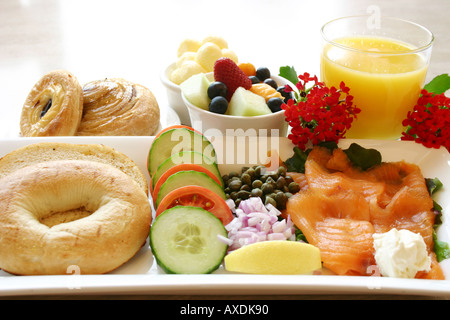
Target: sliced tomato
x: 179, y: 167
x: 175, y: 126
x: 196, y: 196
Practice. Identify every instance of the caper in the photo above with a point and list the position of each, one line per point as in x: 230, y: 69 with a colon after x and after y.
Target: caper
x: 281, y: 200
x: 294, y: 187
x: 281, y: 182
x: 235, y: 185
x: 288, y: 194
x: 281, y: 171
x: 225, y: 178
x: 243, y: 195
x: 271, y: 201
x: 234, y: 195
x: 259, y: 170
x: 271, y: 195
x: 267, y: 188
x: 271, y: 181
x: 246, y: 179
x: 251, y: 172
x: 243, y: 169
x: 273, y: 176
x: 230, y: 180
x: 246, y: 187
x: 256, y: 192
x: 233, y: 174
x: 288, y: 179
x: 257, y: 184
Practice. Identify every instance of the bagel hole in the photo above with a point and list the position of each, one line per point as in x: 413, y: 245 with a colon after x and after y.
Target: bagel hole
x: 54, y: 218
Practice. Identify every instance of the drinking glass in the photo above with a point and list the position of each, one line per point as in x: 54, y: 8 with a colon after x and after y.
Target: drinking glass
x: 384, y: 62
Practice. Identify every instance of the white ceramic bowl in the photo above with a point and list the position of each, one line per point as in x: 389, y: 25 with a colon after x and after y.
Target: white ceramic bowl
x: 214, y: 124
x: 173, y: 92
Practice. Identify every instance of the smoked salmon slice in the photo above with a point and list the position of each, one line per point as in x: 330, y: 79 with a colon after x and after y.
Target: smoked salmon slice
x: 340, y: 207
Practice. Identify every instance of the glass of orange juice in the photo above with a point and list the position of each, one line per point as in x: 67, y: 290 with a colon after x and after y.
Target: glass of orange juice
x: 384, y: 63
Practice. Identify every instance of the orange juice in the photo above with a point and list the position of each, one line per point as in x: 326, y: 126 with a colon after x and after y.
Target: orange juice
x: 384, y: 76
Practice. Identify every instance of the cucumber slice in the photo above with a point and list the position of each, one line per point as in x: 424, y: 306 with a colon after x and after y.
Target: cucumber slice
x: 186, y: 178
x: 192, y: 157
x: 185, y: 240
x: 176, y: 140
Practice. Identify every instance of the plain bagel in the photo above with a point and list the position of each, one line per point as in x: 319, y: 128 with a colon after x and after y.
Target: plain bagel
x: 50, y: 151
x: 59, y: 214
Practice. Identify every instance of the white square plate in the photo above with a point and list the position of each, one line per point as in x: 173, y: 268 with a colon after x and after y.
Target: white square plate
x: 141, y: 275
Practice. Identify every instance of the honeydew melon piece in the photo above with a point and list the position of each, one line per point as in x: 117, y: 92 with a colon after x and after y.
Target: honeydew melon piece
x: 246, y: 103
x: 195, y: 89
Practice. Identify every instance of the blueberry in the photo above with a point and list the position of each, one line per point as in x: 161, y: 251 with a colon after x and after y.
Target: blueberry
x: 218, y: 104
x: 255, y: 79
x: 271, y: 83
x: 217, y: 89
x: 286, y: 95
x: 274, y: 104
x: 263, y: 73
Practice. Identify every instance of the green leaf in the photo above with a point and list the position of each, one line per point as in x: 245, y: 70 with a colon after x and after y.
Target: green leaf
x: 359, y: 156
x: 362, y: 157
x: 299, y: 236
x: 289, y: 73
x: 441, y: 248
x: 433, y: 185
x: 296, y: 163
x: 439, y: 84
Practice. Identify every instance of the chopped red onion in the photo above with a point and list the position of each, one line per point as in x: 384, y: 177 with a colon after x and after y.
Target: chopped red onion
x: 256, y: 222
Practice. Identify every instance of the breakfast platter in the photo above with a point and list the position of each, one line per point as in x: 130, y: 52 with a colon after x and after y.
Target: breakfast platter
x: 250, y: 181
x: 143, y: 275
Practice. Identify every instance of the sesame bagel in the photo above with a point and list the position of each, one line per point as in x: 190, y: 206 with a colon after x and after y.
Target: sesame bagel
x: 64, y: 213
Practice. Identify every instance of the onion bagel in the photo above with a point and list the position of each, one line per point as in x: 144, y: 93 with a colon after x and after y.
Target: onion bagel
x: 49, y: 151
x: 53, y: 107
x: 117, y: 107
x: 60, y: 214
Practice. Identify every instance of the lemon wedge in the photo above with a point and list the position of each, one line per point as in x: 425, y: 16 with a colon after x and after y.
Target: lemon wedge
x: 274, y: 257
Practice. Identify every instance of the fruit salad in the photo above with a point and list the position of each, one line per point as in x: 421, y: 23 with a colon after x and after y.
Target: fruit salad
x: 235, y: 89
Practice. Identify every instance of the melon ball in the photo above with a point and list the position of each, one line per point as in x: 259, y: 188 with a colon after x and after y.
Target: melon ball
x: 185, y: 57
x: 207, y: 55
x: 227, y: 53
x: 188, y: 45
x: 219, y: 41
x: 185, y: 71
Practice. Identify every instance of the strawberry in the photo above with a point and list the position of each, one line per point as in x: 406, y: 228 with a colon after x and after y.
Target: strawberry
x: 228, y: 72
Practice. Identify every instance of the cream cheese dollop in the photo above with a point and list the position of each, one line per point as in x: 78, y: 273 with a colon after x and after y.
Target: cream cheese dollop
x: 401, y: 253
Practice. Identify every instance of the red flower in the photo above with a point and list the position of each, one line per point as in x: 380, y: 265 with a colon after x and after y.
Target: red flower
x: 429, y: 121
x: 320, y: 113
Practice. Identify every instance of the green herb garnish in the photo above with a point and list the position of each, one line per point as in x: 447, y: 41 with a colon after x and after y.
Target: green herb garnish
x: 358, y: 155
